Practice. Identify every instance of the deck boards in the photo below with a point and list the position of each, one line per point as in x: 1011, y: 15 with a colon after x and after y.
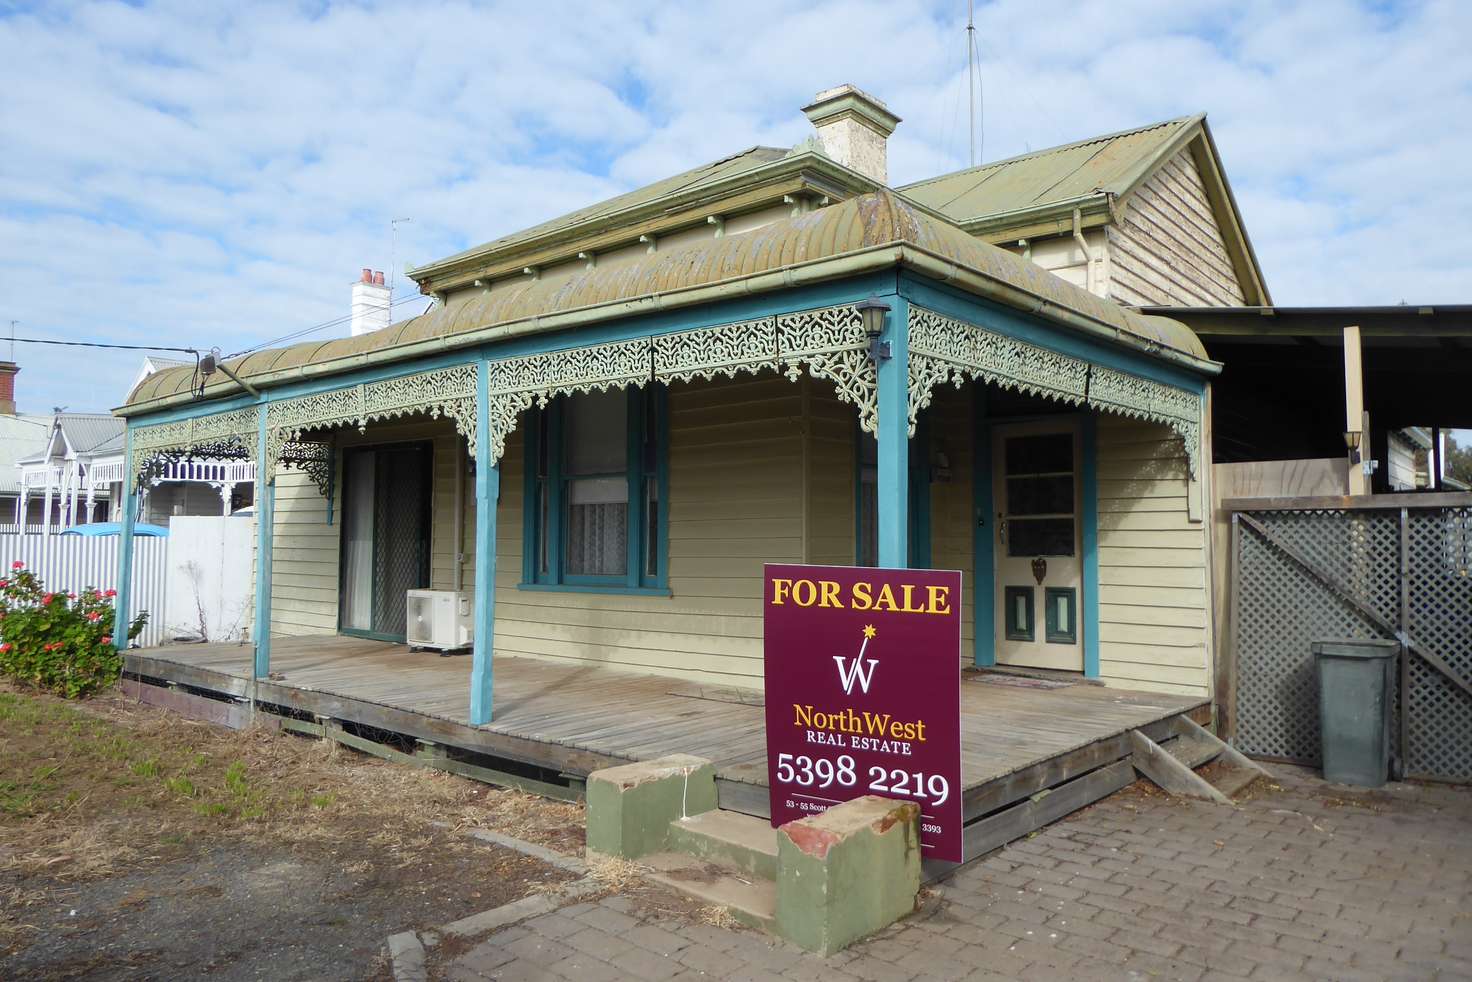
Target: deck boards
x: 618, y: 714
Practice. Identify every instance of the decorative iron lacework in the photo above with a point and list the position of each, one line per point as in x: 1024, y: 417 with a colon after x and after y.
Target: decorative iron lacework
x: 448, y: 392
x: 943, y: 349
x: 314, y: 459
x: 516, y: 383
x: 152, y: 467
x: 746, y: 346
x: 226, y: 436
x: 831, y: 344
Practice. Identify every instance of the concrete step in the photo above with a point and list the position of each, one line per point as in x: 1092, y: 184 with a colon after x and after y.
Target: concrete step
x: 747, y: 843
x: 751, y: 899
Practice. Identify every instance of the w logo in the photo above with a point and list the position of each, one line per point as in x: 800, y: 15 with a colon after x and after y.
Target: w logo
x: 853, y: 671
x: 856, y: 669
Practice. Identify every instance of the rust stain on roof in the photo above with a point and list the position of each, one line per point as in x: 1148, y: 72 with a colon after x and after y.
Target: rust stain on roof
x: 865, y: 222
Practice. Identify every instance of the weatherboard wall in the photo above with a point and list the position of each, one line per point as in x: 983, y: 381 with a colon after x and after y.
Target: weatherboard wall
x: 1167, y: 247
x: 1153, y: 565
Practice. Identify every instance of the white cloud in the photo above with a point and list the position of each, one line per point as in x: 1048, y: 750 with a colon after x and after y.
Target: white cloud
x: 194, y: 174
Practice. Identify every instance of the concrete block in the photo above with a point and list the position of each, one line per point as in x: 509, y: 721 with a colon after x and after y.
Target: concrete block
x: 630, y: 807
x: 847, y: 872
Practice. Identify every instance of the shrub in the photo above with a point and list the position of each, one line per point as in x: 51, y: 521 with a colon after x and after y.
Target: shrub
x: 62, y: 642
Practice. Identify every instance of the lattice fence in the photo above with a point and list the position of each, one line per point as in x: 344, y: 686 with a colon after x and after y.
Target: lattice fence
x: 1403, y: 574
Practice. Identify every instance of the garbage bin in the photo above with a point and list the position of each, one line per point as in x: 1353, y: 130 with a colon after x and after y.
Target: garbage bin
x: 1355, y: 686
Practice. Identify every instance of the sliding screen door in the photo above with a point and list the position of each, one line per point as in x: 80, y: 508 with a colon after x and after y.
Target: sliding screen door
x: 385, y: 537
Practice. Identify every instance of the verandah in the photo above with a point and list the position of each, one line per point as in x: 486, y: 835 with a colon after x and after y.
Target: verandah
x: 937, y: 340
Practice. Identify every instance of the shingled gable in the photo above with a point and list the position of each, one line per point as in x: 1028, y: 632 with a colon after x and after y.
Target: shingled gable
x: 873, y: 231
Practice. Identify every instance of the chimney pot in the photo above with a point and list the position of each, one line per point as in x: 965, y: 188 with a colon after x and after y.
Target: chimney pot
x: 853, y: 129
x: 370, y: 303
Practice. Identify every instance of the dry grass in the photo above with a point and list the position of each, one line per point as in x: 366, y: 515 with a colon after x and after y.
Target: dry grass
x: 90, y: 790
x: 617, y: 875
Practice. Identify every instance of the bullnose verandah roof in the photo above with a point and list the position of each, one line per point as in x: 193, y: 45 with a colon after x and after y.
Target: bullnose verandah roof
x: 869, y: 231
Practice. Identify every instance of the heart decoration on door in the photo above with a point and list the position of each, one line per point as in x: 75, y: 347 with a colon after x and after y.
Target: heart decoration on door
x: 1039, y: 569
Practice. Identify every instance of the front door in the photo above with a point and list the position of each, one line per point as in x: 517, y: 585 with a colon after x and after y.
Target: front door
x: 385, y: 537
x: 1036, y: 544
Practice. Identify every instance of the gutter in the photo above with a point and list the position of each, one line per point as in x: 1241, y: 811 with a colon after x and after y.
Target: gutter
x: 814, y: 271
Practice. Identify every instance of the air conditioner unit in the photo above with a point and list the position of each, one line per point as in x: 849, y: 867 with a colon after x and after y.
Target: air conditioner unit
x: 439, y: 619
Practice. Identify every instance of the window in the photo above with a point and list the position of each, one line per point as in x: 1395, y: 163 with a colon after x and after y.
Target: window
x: 595, y: 482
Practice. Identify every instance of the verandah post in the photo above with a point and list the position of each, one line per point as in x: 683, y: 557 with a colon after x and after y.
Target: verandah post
x: 265, y: 519
x: 120, y: 617
x: 487, y: 491
x: 893, y: 438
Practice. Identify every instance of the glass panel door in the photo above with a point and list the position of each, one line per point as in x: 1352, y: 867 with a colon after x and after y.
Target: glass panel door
x: 386, y: 533
x: 1036, y: 544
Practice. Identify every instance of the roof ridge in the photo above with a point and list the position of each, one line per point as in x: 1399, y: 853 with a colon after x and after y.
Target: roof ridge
x: 1032, y: 154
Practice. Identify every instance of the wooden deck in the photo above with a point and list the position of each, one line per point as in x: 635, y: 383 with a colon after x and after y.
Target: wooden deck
x: 572, y: 720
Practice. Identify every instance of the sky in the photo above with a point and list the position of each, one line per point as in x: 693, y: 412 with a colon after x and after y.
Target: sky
x: 197, y: 175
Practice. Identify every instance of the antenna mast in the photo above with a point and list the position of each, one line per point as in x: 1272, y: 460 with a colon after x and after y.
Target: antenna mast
x: 393, y: 258
x: 971, y: 74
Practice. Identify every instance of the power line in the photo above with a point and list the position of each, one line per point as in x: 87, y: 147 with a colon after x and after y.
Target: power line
x: 335, y: 322
x: 101, y: 344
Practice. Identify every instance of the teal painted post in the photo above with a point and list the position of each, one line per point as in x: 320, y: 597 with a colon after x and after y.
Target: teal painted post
x: 1089, y: 533
x: 983, y: 563
x: 120, y: 617
x: 894, y: 439
x: 487, y: 490
x: 265, y: 519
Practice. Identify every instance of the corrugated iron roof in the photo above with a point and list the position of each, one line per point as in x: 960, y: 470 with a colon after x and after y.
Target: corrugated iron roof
x: 861, y: 224
x: 88, y: 432
x: 704, y: 174
x: 1110, y: 164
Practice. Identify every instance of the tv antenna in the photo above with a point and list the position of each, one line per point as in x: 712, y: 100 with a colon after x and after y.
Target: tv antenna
x: 972, y: 88
x: 393, y: 255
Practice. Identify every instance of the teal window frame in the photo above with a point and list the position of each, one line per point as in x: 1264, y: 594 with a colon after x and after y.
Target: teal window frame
x: 647, y: 450
x: 1052, y: 633
x: 1014, y: 630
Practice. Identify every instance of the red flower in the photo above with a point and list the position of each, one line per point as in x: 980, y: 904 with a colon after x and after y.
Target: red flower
x: 17, y: 565
x: 94, y: 617
x: 107, y: 639
x: 4, y: 584
x: 5, y: 647
x: 71, y: 596
x: 47, y: 599
x: 110, y: 593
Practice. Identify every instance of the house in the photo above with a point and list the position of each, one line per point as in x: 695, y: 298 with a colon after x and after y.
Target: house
x: 609, y: 422
x: 70, y: 468
x: 21, y: 435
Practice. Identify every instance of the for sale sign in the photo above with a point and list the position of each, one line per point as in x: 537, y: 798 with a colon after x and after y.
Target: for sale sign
x: 864, y: 693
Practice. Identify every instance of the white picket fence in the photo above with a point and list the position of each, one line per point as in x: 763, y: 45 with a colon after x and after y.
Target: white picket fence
x: 71, y: 563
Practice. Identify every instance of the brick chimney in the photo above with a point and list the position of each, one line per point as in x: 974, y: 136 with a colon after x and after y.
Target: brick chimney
x: 853, y: 129
x: 370, y: 303
x: 7, y: 387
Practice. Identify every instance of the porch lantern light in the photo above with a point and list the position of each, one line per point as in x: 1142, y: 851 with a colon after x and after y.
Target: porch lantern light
x: 874, y: 311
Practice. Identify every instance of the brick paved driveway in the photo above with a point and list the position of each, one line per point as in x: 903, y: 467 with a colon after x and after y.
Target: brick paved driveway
x: 1303, y: 881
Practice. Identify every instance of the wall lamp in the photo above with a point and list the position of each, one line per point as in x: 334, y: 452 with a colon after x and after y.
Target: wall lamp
x: 874, y: 311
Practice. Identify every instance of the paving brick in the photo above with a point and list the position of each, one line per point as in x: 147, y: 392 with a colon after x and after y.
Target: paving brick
x: 646, y: 964
x: 607, y: 919
x: 655, y: 939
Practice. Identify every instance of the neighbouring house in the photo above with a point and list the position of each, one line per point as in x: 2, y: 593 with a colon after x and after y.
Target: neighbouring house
x: 607, y: 423
x: 21, y: 435
x: 70, y: 467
